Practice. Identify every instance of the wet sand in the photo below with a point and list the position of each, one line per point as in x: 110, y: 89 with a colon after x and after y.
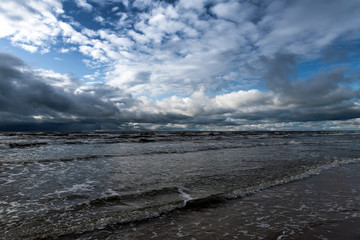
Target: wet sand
x: 325, y: 206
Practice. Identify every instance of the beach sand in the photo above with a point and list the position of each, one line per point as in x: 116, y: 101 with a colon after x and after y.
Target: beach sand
x: 324, y: 206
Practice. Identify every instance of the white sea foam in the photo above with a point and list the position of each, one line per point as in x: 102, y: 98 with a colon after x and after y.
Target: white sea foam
x: 81, y: 187
x: 183, y: 191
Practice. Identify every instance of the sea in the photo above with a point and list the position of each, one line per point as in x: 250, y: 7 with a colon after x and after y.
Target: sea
x: 180, y: 185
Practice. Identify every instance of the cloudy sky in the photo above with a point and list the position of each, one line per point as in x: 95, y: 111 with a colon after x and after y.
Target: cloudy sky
x: 179, y: 64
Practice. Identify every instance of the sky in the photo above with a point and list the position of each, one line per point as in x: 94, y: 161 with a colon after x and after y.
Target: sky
x: 74, y: 65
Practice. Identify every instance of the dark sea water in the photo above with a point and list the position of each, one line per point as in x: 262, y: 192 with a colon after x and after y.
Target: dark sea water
x: 187, y: 185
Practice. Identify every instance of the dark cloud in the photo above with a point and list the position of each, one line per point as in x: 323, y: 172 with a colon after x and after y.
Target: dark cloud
x: 344, y: 111
x: 322, y: 96
x: 24, y: 93
x: 140, y: 78
x: 30, y: 101
x: 321, y: 89
x: 278, y: 71
x: 341, y: 51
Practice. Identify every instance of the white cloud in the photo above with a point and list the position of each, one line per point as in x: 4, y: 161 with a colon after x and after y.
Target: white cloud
x: 64, y: 50
x: 190, y: 4
x: 45, y: 50
x: 121, y: 43
x: 29, y: 48
x: 125, y: 3
x: 233, y: 10
x: 71, y: 35
x: 84, y: 4
x: 95, y: 53
x: 235, y: 100
x: 92, y: 77
x: 180, y: 45
x: 142, y: 4
x: 99, y: 19
x: 199, y: 103
x: 114, y: 9
x: 31, y: 22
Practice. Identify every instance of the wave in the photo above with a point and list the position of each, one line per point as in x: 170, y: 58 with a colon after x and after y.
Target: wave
x: 119, y: 209
x: 65, y: 159
x: 142, y: 151
x: 243, y: 192
x: 126, y: 199
x: 145, y: 137
x: 190, y: 202
x: 26, y: 144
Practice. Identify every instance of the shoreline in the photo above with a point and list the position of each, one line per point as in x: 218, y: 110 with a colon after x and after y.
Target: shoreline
x: 326, y: 205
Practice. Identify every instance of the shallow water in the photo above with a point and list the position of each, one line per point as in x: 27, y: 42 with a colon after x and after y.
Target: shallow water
x: 325, y: 206
x: 65, y: 184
